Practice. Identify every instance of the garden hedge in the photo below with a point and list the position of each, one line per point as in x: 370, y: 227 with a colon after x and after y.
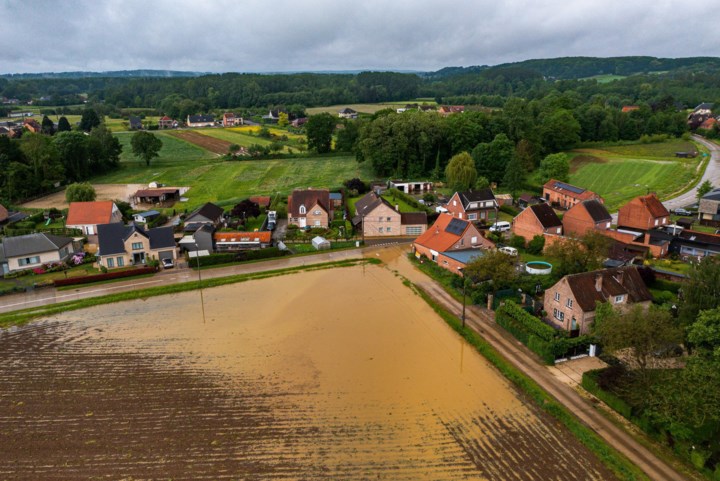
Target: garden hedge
x: 104, y: 277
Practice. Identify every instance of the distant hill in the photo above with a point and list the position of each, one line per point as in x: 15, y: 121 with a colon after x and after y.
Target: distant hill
x: 584, y: 67
x: 114, y: 74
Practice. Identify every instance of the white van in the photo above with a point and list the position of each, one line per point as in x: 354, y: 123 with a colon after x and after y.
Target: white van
x: 511, y: 251
x: 501, y: 226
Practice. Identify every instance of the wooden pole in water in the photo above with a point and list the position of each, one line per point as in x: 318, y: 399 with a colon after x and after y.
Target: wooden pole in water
x: 202, y: 299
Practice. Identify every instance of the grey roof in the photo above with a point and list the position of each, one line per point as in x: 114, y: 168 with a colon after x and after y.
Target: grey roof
x: 465, y: 256
x: 712, y: 195
x: 597, y: 210
x: 33, y: 244
x: 200, y: 118
x: 112, y: 237
x: 209, y: 211
x: 476, y: 196
x: 149, y: 213
x: 335, y: 196
x: 369, y: 202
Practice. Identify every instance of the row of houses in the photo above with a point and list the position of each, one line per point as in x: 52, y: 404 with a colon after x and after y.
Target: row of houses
x: 444, y: 110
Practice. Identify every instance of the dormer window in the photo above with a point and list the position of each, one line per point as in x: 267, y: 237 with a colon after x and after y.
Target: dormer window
x: 317, y: 212
x: 303, y: 210
x: 619, y: 299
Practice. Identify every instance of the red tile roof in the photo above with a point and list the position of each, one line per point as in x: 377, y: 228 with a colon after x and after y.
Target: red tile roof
x: 90, y: 213
x: 653, y: 205
x: 3, y: 213
x: 612, y: 282
x: 308, y: 198
x: 708, y: 124
x: 261, y: 200
x: 630, y: 108
x: 261, y: 236
x: 438, y: 238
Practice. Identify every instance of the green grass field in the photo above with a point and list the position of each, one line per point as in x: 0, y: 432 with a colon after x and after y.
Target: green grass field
x: 227, y: 182
x: 366, y: 108
x: 657, y: 150
x: 234, y: 137
x: 605, y: 78
x: 173, y: 150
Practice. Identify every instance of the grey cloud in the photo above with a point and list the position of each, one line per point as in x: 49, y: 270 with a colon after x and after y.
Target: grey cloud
x: 283, y: 35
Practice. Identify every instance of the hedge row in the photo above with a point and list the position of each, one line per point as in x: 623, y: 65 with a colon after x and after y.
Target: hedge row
x: 104, y: 277
x: 229, y: 257
x: 589, y: 382
x: 530, y: 323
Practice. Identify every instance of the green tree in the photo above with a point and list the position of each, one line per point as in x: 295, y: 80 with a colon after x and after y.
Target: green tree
x: 526, y: 151
x: 48, y: 128
x: 573, y: 256
x: 104, y: 150
x: 482, y: 183
x: 495, y: 266
x: 89, y: 120
x: 704, y: 188
x: 701, y: 290
x: 491, y: 159
x: 319, y: 130
x: 704, y: 333
x: 536, y: 245
x: 560, y: 130
x: 555, y: 166
x: 514, y: 175
x: 72, y: 147
x: 145, y: 146
x: 347, y: 137
x: 44, y: 159
x: 80, y: 192
x: 64, y: 125
x: 283, y: 119
x: 460, y: 172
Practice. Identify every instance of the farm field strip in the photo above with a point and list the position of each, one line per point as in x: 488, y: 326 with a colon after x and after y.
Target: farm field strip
x: 173, y: 150
x: 206, y: 142
x: 270, y: 392
x: 233, y: 137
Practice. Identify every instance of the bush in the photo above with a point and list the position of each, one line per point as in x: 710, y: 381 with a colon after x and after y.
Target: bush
x: 536, y: 245
x: 229, y: 257
x: 529, y: 323
x: 517, y: 241
x: 590, y: 383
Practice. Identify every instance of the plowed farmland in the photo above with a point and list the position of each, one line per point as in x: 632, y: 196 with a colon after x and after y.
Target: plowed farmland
x: 283, y: 378
x: 212, y: 144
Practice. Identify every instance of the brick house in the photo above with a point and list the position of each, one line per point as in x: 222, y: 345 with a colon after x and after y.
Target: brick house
x: 538, y: 219
x: 570, y: 303
x: 229, y: 119
x: 449, y: 234
x: 644, y: 212
x: 87, y: 216
x: 474, y: 205
x: 564, y: 195
x: 126, y: 245
x: 167, y: 123
x: 456, y: 261
x: 376, y: 217
x: 586, y: 216
x: 310, y: 208
x: 32, y: 125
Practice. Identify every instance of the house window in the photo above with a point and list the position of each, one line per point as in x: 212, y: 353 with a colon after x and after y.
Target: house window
x: 445, y: 262
x: 317, y: 212
x: 656, y: 222
x: 380, y: 230
x: 111, y: 262
x: 302, y: 210
x: 462, y: 242
x: 454, y: 203
x: 387, y: 229
x: 573, y: 323
x: 472, y: 216
x: 557, y: 296
x: 387, y: 219
x: 569, y: 303
x: 29, y: 260
x: 137, y: 246
x: 559, y: 315
x: 317, y: 223
x: 120, y: 262
x: 558, y: 230
x: 380, y: 219
x: 473, y: 239
x: 619, y: 299
x: 607, y: 225
x: 459, y: 215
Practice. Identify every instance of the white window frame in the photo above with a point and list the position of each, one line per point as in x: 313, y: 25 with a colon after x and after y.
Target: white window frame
x: 557, y: 296
x: 473, y: 239
x: 569, y: 303
x: 302, y: 210
x: 619, y: 299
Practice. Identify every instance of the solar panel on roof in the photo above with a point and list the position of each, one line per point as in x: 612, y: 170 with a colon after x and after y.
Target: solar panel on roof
x: 456, y: 227
x: 571, y: 188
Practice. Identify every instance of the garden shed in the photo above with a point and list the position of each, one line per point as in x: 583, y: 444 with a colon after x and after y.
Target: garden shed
x: 320, y: 243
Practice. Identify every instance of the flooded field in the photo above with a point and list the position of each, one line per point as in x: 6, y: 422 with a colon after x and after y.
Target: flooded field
x: 339, y: 374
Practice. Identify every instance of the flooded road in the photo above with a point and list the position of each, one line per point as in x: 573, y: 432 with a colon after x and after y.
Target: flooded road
x: 339, y: 374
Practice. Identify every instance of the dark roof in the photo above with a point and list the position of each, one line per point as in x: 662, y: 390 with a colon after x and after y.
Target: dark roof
x: 546, y: 215
x: 201, y: 118
x: 413, y: 218
x: 347, y: 110
x: 112, y: 237
x: 368, y: 203
x: 148, y: 214
x: 712, y: 195
x: 135, y: 121
x: 704, y: 106
x: 597, y: 210
x: 476, y: 196
x: 308, y: 198
x: 33, y: 244
x: 691, y: 236
x: 456, y: 226
x: 3, y: 213
x: 615, y: 282
x: 208, y: 210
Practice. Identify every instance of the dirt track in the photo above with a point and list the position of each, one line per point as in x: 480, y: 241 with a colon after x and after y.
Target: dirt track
x: 212, y: 144
x: 103, y: 191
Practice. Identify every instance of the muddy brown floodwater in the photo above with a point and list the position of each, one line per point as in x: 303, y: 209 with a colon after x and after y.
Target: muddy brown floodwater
x: 340, y: 374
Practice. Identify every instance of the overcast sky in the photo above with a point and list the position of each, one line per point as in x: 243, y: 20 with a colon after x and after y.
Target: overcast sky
x: 310, y: 35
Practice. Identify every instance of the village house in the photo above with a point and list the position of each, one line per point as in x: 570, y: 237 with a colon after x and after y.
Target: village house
x: 229, y: 120
x: 709, y: 208
x: 201, y: 240
x: 273, y: 116
x: 700, y: 114
x: 207, y: 214
x: 200, y: 120
x: 447, y: 235
x: 563, y: 195
x: 446, y: 110
x: 238, y: 241
x: 167, y: 123
x: 86, y: 216
x: 539, y: 219
x: 299, y: 122
x: 33, y: 250
x: 128, y: 245
x: 410, y: 187
x: 32, y: 125
x: 262, y: 201
x: 644, y: 213
x: 310, y: 208
x: 157, y: 196
x: 347, y: 113
x: 145, y: 217
x: 135, y: 123
x: 584, y: 217
x: 474, y: 205
x: 376, y: 217
x: 654, y: 242
x: 695, y: 244
x: 570, y: 303
x: 4, y: 214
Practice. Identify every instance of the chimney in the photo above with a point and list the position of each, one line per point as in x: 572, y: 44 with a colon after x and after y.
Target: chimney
x: 437, y: 230
x: 598, y: 282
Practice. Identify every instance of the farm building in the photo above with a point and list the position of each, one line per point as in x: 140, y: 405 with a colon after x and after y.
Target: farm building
x: 200, y: 120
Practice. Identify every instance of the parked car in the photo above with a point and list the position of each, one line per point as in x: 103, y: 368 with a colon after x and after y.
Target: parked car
x: 682, y: 212
x: 501, y: 226
x: 511, y: 251
x: 168, y: 263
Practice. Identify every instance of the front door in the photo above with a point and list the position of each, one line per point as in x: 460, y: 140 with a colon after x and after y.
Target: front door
x: 303, y: 222
x: 139, y: 258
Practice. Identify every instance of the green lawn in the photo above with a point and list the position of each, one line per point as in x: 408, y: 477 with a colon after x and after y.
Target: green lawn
x: 173, y: 150
x: 605, y: 78
x: 228, y: 135
x: 656, y: 150
x: 227, y: 182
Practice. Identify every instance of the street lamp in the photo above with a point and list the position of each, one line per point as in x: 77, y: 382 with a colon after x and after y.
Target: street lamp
x: 202, y: 299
